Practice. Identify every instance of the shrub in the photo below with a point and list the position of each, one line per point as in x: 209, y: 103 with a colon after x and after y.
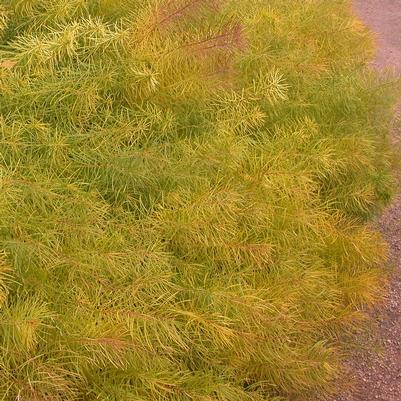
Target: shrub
x: 185, y: 190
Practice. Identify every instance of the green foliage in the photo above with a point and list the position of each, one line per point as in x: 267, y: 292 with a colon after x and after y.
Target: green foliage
x: 185, y: 188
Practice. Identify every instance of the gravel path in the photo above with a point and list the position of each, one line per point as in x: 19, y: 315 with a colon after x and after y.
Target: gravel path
x: 378, y: 377
x: 384, y: 18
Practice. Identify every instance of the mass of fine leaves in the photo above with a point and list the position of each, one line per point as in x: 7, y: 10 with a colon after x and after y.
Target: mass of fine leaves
x: 185, y: 188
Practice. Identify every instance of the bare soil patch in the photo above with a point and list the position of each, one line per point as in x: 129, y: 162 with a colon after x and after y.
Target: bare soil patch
x: 377, y: 375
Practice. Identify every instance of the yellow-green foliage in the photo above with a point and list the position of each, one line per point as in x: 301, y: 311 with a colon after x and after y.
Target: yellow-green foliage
x: 184, y: 191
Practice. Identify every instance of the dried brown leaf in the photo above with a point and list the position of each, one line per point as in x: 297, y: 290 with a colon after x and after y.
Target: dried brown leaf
x: 7, y: 64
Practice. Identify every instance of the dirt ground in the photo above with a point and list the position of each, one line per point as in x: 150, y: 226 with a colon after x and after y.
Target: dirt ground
x: 384, y: 18
x: 378, y: 376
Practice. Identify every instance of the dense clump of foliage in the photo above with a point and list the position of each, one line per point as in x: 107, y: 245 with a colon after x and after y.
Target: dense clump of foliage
x: 185, y: 189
